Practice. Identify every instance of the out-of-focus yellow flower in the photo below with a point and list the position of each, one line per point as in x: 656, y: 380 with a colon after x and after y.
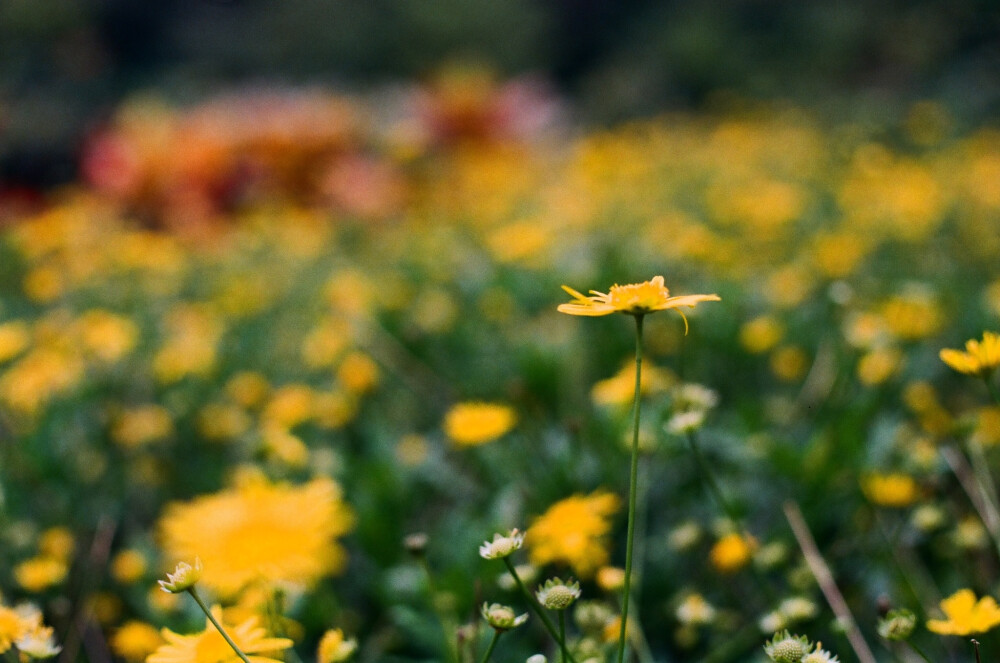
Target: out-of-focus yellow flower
x: 286, y: 448
x: 248, y: 388
x: 789, y: 285
x: 574, y: 531
x: 890, y: 490
x: 193, y: 332
x: 324, y: 344
x: 19, y: 625
x: 107, y: 336
x: 633, y: 299
x: 209, y: 646
x: 358, y: 373
x: 142, y: 425
x: 611, y: 578
x: 789, y: 363
x: 987, y: 431
x: 57, y: 543
x: 732, y: 552
x: 14, y: 338
x: 334, y: 647
x: 878, y: 365
x: 128, y: 566
x: 619, y: 389
x: 105, y: 606
x: 44, y: 283
x: 334, y: 409
x: 761, y: 334
x: 37, y: 377
x: 260, y: 530
x: 964, y: 615
x: 289, y: 406
x: 471, y: 424
x: 521, y: 241
x: 350, y: 292
x: 913, y: 315
x: 39, y: 573
x: 980, y: 357
x: 838, y: 254
x: 135, y: 640
x: 223, y: 421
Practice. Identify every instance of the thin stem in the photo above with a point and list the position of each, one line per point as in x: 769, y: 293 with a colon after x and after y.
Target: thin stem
x: 535, y: 607
x: 562, y: 634
x: 444, y: 619
x: 709, y: 478
x: 633, y: 475
x: 994, y: 394
x: 824, y: 578
x: 493, y: 644
x: 975, y: 643
x: 208, y: 613
x: 973, y: 489
x: 919, y: 651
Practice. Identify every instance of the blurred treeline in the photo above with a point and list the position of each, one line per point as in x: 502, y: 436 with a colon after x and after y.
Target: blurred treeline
x: 65, y: 63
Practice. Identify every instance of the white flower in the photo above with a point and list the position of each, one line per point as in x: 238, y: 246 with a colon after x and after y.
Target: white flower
x: 558, y: 595
x: 797, y: 608
x: 772, y: 622
x: 183, y: 578
x: 819, y: 656
x: 38, y: 644
x: 695, y: 610
x: 501, y: 617
x: 501, y: 546
x: 685, y: 422
x: 693, y: 396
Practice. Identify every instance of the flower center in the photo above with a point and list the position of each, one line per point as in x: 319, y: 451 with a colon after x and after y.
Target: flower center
x: 638, y: 297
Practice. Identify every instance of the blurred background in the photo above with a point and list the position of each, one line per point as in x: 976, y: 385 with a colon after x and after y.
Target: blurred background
x: 66, y: 64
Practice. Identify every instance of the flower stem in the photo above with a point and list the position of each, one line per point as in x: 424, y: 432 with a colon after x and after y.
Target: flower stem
x: 920, y: 652
x: 535, y: 607
x: 562, y: 634
x: 994, y: 394
x: 208, y: 613
x: 493, y: 644
x: 632, y: 492
x: 709, y: 479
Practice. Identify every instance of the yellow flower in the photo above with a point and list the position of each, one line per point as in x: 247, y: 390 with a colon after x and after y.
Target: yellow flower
x: 56, y: 542
x: 732, y: 552
x: 128, y: 566
x: 619, y: 389
x: 142, y: 425
x: 260, y: 530
x: 334, y: 647
x: 966, y: 616
x: 358, y: 373
x: 210, y: 647
x: 15, y: 336
x: 472, y: 424
x: 633, y: 299
x: 891, y: 490
x: 39, y: 573
x: 980, y: 357
x: 574, y: 531
x: 135, y: 640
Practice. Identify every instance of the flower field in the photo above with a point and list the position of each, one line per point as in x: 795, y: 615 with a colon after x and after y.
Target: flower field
x: 308, y: 347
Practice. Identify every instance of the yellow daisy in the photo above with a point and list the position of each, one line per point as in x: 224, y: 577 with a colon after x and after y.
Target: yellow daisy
x: 210, y: 647
x: 980, y: 357
x: 472, y: 424
x: 259, y: 530
x: 574, y: 531
x: 966, y: 616
x: 633, y: 299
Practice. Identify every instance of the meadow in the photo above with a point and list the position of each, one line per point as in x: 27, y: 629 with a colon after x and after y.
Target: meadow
x: 310, y: 343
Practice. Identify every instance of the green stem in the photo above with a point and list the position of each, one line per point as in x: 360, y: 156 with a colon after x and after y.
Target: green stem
x: 709, y: 478
x: 993, y: 390
x: 447, y: 623
x: 208, y: 613
x: 535, y: 606
x: 562, y: 634
x: 493, y: 644
x: 633, y: 476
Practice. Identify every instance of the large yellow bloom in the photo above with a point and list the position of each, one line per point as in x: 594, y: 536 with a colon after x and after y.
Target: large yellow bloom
x: 980, y: 357
x: 965, y: 615
x: 210, y: 647
x: 633, y: 299
x: 260, y: 530
x: 574, y: 531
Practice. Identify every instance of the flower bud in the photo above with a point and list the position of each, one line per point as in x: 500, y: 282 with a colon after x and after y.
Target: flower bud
x: 558, y: 595
x: 897, y: 625
x: 183, y: 578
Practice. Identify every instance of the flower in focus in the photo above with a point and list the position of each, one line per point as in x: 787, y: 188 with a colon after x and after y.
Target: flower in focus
x: 472, y: 424
x: 574, y: 531
x: 558, y: 595
x: 501, y: 546
x: 261, y: 530
x: 183, y: 578
x: 787, y: 648
x: 633, y: 299
x: 334, y: 647
x: 980, y: 357
x: 964, y: 615
x: 210, y: 647
x: 819, y: 655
